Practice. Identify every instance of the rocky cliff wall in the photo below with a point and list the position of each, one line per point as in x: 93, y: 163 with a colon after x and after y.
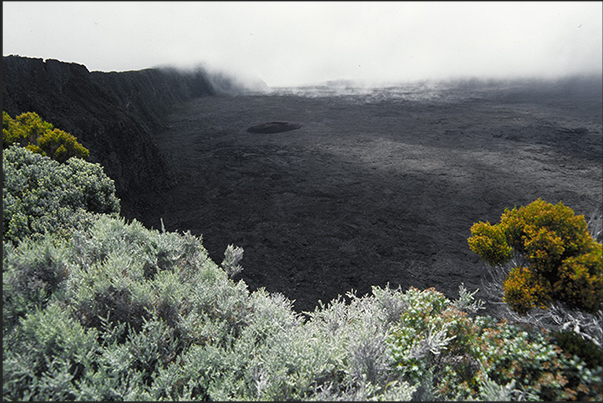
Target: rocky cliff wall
x: 112, y: 114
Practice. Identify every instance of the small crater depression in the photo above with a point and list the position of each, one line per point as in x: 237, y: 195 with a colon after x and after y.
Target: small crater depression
x: 273, y: 127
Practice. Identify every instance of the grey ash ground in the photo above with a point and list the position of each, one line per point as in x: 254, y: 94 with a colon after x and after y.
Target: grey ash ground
x: 369, y: 192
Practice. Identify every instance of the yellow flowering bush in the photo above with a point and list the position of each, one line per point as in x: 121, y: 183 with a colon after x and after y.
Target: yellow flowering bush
x: 30, y: 131
x: 564, y: 261
x: 525, y: 289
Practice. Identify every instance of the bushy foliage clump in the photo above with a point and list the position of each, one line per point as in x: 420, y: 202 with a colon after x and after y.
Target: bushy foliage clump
x: 573, y: 344
x: 151, y: 317
x: 24, y: 130
x: 30, y: 131
x: 42, y: 195
x: 563, y: 261
x: 453, y: 356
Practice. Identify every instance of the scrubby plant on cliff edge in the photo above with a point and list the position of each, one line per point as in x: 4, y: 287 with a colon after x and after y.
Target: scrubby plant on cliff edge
x: 30, y: 131
x: 42, y: 195
x: 563, y: 261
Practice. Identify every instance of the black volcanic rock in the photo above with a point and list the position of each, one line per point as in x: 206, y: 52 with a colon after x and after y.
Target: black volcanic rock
x: 273, y: 127
x: 112, y: 114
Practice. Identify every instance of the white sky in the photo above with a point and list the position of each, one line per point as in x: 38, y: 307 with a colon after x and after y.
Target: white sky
x: 301, y: 43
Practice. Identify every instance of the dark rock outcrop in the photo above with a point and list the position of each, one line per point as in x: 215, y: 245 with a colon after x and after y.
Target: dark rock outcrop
x: 112, y: 114
x: 273, y: 127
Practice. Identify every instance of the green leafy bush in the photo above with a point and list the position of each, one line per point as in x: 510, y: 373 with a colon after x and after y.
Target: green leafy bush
x: 41, y: 195
x: 564, y: 262
x: 573, y: 344
x: 453, y: 356
x: 30, y: 131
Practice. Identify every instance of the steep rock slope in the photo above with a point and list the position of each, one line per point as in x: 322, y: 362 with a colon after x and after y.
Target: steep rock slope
x: 112, y: 114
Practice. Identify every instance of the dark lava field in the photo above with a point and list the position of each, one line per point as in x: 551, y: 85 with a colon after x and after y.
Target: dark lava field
x: 373, y: 188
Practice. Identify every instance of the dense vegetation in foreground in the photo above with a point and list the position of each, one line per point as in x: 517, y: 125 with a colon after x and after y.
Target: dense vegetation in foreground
x: 97, y: 308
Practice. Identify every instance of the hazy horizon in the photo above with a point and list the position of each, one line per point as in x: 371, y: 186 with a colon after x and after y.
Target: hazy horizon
x: 308, y: 43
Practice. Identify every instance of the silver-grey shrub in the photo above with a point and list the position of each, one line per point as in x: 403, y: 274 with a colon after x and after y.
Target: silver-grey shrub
x: 41, y: 195
x: 161, y: 320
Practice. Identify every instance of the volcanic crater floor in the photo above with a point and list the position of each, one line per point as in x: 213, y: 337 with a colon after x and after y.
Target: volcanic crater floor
x: 369, y: 193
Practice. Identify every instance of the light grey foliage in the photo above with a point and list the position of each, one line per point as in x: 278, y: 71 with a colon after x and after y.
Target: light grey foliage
x: 390, y: 301
x: 595, y: 224
x: 337, y: 352
x: 560, y: 318
x: 490, y: 391
x: 232, y: 256
x: 41, y: 195
x: 466, y: 302
x: 358, y: 332
x: 433, y: 342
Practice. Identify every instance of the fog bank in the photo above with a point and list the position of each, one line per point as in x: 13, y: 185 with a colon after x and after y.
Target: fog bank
x: 307, y: 43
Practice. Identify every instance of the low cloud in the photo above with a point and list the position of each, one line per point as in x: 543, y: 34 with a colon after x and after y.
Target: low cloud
x: 304, y: 43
